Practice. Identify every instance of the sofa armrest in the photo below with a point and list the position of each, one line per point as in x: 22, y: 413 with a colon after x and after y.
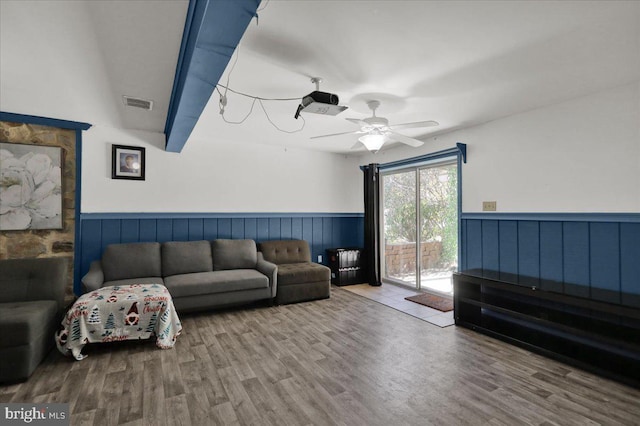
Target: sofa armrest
x: 270, y: 270
x: 93, y: 279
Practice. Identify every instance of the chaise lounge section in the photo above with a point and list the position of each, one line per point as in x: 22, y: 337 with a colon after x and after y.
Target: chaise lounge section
x: 31, y: 307
x: 299, y: 279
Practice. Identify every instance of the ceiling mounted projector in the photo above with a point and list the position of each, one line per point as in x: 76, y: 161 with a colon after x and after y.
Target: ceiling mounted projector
x: 318, y: 102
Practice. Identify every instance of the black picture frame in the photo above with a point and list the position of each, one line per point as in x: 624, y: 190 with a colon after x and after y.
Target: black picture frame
x: 127, y: 162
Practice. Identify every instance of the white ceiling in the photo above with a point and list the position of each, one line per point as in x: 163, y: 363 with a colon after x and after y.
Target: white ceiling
x: 460, y: 63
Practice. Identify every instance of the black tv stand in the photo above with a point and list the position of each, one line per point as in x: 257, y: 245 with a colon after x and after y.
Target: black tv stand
x: 600, y: 337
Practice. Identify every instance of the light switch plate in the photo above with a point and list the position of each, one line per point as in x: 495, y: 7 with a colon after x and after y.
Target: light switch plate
x: 319, y: 258
x: 489, y: 206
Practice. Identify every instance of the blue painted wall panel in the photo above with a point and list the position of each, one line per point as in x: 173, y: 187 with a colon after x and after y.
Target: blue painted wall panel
x: 335, y: 232
x: 604, y: 263
x: 263, y: 230
x: 224, y: 228
x: 164, y: 230
x: 148, y: 230
x: 551, y: 277
x: 210, y: 229
x: 327, y: 235
x: 576, y: 258
x: 237, y: 229
x: 307, y: 228
x: 180, y: 230
x: 111, y: 233
x: 251, y: 229
x: 474, y: 245
x: 321, y: 232
x: 353, y: 231
x: 285, y: 228
x: 317, y: 246
x: 630, y: 263
x: 508, y: 249
x: 196, y: 229
x: 593, y: 258
x: 91, y: 248
x: 296, y: 228
x: 129, y: 231
x: 463, y: 246
x: 490, y: 249
x: 529, y: 253
x: 274, y: 228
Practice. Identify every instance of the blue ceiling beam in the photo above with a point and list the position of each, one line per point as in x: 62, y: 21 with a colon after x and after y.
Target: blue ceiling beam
x: 212, y: 31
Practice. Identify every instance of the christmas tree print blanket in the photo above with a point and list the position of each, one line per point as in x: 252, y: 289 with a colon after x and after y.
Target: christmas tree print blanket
x: 128, y: 312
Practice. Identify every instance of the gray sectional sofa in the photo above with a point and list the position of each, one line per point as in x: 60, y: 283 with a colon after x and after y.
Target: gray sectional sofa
x: 299, y: 279
x: 198, y: 274
x: 31, y: 307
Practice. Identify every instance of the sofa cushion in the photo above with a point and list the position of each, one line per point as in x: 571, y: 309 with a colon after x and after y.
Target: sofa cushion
x: 183, y: 257
x: 23, y: 322
x: 300, y: 273
x: 215, y: 282
x: 285, y: 251
x: 234, y: 254
x: 132, y: 260
x: 30, y: 279
x: 132, y: 281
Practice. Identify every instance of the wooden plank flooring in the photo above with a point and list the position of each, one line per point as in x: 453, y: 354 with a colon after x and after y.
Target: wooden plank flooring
x: 342, y: 361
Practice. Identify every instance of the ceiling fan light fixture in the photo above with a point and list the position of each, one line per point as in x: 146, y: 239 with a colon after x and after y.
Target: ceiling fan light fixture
x: 373, y: 142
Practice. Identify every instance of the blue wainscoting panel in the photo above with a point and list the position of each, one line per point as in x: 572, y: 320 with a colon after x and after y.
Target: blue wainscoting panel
x: 588, y: 255
x: 576, y: 258
x: 490, y: 249
x: 148, y: 230
x: 551, y: 272
x: 237, y: 228
x: 322, y: 231
x: 529, y: 253
x: 164, y: 230
x: 604, y: 250
x: 196, y: 231
x: 474, y: 245
x: 630, y: 263
x: 508, y: 249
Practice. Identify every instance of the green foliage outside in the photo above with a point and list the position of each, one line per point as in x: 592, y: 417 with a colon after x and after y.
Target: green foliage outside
x: 438, y: 209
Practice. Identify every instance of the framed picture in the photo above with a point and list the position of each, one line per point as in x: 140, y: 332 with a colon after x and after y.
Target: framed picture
x: 127, y: 162
x: 30, y: 187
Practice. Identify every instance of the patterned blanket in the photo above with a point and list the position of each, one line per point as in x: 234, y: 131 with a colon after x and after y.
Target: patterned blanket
x: 117, y: 313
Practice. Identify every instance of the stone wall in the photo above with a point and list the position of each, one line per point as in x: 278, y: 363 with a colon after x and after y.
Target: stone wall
x: 45, y: 243
x: 400, y: 259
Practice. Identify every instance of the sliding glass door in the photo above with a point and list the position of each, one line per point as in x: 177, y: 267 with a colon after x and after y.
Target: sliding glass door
x: 399, y: 219
x: 420, y: 226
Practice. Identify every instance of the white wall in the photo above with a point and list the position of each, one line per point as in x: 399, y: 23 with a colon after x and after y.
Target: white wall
x: 215, y: 177
x: 582, y: 155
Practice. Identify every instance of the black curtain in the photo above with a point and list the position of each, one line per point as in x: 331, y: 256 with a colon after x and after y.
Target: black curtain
x: 372, y: 223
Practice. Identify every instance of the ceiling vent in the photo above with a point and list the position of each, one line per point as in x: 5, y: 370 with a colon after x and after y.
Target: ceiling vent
x: 138, y: 103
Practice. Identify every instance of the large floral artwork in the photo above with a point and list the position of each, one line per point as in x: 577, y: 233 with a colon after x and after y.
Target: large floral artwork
x: 30, y: 187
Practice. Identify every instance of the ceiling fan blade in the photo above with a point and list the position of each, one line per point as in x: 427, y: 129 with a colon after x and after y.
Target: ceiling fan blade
x: 414, y: 125
x: 357, y: 121
x: 404, y: 139
x: 357, y: 145
x: 334, y: 134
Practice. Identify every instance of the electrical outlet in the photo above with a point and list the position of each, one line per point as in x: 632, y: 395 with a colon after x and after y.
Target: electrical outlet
x: 319, y: 258
x: 489, y: 206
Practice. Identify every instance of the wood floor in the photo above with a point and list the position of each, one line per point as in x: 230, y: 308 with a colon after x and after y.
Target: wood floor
x: 342, y: 361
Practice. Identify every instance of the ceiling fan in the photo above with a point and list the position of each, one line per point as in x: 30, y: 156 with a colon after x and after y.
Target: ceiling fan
x: 376, y: 131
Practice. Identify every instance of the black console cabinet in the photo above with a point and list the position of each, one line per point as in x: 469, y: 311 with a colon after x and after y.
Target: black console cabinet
x: 596, y: 336
x: 345, y: 265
